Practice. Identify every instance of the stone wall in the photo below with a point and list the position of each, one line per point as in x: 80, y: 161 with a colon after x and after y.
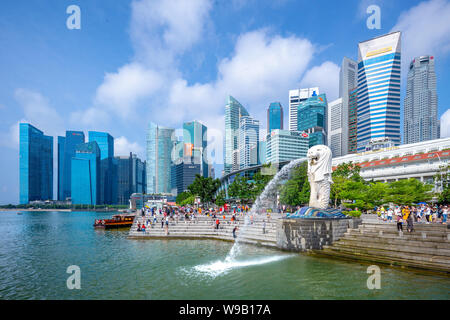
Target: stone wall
x: 312, y: 234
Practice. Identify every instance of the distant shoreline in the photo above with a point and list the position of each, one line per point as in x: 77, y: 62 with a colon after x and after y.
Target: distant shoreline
x: 62, y: 210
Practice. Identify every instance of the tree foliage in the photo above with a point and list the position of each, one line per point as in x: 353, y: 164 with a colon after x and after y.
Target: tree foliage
x: 205, y: 188
x: 296, y: 190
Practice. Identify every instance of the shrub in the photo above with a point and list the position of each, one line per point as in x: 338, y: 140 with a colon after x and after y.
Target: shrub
x: 353, y: 213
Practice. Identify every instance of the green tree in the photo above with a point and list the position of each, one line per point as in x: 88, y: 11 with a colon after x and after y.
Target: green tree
x: 241, y: 189
x: 205, y: 188
x: 220, y: 198
x: 260, y: 182
x: 343, y: 173
x: 407, y: 192
x: 182, y: 196
x: 296, y: 189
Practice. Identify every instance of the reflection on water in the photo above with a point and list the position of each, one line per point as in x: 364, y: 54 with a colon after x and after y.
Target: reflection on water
x: 37, y: 247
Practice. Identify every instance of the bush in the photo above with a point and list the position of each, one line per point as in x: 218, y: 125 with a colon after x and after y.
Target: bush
x: 353, y: 213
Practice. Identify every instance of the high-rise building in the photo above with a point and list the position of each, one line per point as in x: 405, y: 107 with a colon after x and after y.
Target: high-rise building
x: 248, y: 142
x: 379, y: 90
x: 184, y: 175
x: 108, y: 171
x: 131, y: 177
x: 284, y: 145
x: 262, y: 152
x: 296, y: 97
x: 421, y: 121
x: 312, y: 119
x: 195, y: 145
x: 233, y: 111
x: 160, y: 144
x: 352, y: 119
x: 86, y: 174
x: 337, y: 125
x: 274, y: 117
x: 66, y: 151
x: 347, y: 81
x: 35, y: 164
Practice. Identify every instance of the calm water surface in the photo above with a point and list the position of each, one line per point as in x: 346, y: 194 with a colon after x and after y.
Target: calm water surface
x: 37, y: 247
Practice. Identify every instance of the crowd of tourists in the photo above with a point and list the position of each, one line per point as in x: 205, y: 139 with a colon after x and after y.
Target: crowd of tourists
x: 421, y: 213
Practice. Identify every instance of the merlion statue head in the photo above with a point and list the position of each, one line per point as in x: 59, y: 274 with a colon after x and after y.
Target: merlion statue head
x: 319, y: 162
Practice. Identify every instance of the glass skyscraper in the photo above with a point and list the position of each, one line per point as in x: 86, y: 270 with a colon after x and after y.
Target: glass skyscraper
x: 108, y: 171
x: 86, y: 175
x: 248, y: 142
x: 131, y: 177
x: 285, y: 145
x: 379, y: 90
x: 66, y: 151
x: 35, y: 164
x: 421, y: 122
x: 160, y: 145
x: 195, y: 145
x: 312, y: 119
x: 337, y: 127
x: 296, y: 97
x: 233, y: 111
x: 352, y: 119
x: 274, y: 117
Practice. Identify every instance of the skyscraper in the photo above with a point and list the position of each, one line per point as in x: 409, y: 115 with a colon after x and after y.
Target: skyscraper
x: 233, y: 111
x: 35, y: 164
x: 108, y: 171
x: 379, y: 90
x: 131, y: 177
x: 352, y: 119
x: 274, y: 117
x: 295, y: 98
x: 86, y: 174
x: 313, y: 119
x: 284, y: 145
x: 421, y: 122
x: 337, y: 127
x: 248, y: 142
x: 160, y: 144
x: 195, y: 145
x: 66, y: 151
x: 347, y: 81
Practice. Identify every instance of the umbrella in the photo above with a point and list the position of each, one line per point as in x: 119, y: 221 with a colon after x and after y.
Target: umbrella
x: 422, y: 203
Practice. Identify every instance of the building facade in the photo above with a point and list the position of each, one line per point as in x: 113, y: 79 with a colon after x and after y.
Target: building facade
x: 184, y: 175
x: 379, y: 89
x: 296, y: 97
x: 195, y: 137
x: 86, y: 185
x: 337, y: 126
x: 66, y: 151
x: 352, y: 120
x: 248, y: 141
x: 35, y: 164
x: 312, y: 119
x: 421, y: 121
x: 274, y: 117
x: 284, y: 145
x: 233, y: 111
x: 160, y: 145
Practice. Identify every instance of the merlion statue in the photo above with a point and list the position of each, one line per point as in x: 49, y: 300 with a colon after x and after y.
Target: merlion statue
x: 319, y: 176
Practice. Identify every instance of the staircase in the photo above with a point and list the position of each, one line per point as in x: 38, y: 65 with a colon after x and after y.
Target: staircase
x: 204, y: 228
x: 428, y: 247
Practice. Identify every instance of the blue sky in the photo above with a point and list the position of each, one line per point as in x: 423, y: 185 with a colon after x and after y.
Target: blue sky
x: 172, y: 61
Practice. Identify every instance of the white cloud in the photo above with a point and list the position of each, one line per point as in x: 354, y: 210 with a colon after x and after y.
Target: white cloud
x: 10, y: 138
x: 123, y: 147
x: 425, y: 30
x: 90, y: 118
x: 326, y: 77
x: 445, y: 124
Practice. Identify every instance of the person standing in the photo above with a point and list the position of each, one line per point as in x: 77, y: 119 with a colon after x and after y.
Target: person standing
x: 234, y: 232
x: 444, y: 215
x: 217, y: 223
x: 264, y: 227
x: 167, y: 226
x: 399, y: 222
x: 409, y: 220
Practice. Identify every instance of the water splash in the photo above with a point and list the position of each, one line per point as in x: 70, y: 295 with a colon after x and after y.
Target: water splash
x: 266, y: 199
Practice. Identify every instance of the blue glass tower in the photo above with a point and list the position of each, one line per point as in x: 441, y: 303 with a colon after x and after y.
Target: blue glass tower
x: 379, y: 90
x: 108, y: 172
x: 35, y: 164
x: 274, y: 117
x: 312, y: 115
x: 195, y: 145
x: 66, y: 151
x: 85, y: 181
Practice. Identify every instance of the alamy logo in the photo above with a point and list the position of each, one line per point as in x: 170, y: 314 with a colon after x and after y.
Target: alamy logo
x: 374, y: 20
x: 374, y: 280
x: 74, y: 281
x: 74, y: 20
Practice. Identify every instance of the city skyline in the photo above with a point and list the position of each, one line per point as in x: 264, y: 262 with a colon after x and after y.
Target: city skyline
x: 44, y: 106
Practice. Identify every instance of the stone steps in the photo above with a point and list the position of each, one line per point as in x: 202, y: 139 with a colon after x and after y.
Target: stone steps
x: 420, y: 236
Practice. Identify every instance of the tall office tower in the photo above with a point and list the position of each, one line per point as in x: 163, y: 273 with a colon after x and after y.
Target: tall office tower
x: 337, y: 127
x: 35, y: 164
x: 66, y: 151
x: 86, y: 174
x: 295, y: 98
x: 184, y: 175
x: 195, y: 145
x: 274, y: 117
x: 352, y: 119
x: 233, y: 111
x: 379, y: 90
x: 248, y: 142
x: 262, y: 151
x: 421, y: 122
x: 160, y: 144
x: 284, y: 145
x: 108, y: 171
x: 130, y: 177
x: 347, y: 81
x: 313, y: 119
